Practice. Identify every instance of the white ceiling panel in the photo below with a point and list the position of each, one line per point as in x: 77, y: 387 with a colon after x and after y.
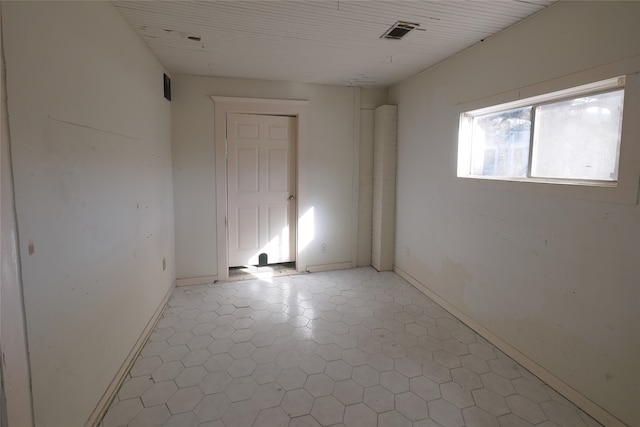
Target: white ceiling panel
x: 315, y: 41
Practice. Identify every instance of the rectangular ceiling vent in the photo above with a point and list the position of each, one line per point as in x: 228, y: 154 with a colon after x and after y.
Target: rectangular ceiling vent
x: 399, y: 30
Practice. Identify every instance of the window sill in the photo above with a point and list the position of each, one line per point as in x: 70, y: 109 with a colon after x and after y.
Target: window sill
x: 586, y: 183
x: 599, y: 191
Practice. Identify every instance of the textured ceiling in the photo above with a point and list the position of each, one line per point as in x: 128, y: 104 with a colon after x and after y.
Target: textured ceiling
x: 315, y: 41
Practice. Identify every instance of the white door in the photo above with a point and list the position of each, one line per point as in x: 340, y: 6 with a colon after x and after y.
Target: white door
x: 261, y: 188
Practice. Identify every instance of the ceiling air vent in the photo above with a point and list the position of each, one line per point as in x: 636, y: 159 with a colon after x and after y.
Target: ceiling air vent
x: 399, y: 30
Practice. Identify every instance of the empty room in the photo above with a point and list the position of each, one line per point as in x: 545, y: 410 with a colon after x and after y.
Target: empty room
x: 320, y: 213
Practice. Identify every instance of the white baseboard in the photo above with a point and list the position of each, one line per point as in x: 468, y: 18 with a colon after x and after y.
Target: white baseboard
x: 578, y: 399
x: 201, y: 280
x: 102, y: 406
x: 329, y: 267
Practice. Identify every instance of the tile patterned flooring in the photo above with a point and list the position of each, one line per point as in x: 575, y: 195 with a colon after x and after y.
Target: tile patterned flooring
x: 344, y: 348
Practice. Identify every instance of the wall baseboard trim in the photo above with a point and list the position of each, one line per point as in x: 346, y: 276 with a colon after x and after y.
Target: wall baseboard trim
x: 201, y: 280
x: 104, y: 403
x: 329, y: 267
x: 577, y: 398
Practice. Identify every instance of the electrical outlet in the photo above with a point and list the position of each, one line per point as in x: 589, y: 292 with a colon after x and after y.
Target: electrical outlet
x: 405, y: 252
x: 323, y: 248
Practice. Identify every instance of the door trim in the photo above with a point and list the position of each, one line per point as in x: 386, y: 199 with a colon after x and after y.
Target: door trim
x: 290, y: 107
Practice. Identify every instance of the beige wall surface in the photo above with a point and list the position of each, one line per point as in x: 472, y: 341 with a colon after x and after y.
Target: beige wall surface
x: 370, y: 99
x: 329, y: 175
x: 15, y: 370
x: 91, y: 152
x: 555, y: 277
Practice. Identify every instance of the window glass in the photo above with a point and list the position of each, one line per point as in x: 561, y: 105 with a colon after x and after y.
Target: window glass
x: 500, y: 143
x: 571, y: 136
x: 578, y: 138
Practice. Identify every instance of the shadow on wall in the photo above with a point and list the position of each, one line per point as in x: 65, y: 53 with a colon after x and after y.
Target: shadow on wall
x: 452, y: 274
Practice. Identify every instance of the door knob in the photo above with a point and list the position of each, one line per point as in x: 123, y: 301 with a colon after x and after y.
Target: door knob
x: 291, y: 197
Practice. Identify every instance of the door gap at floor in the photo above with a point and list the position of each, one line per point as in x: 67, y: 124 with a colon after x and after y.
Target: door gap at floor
x: 264, y: 271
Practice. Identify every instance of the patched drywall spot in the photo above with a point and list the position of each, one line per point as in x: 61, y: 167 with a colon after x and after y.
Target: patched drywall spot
x: 450, y: 281
x: 455, y: 276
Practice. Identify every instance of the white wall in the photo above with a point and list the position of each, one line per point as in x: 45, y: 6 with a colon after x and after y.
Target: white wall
x: 370, y: 99
x: 329, y: 177
x: 15, y: 369
x: 555, y: 277
x: 90, y: 139
x: 384, y: 187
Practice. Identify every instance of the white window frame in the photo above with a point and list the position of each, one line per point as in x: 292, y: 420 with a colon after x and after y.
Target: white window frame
x: 624, y: 190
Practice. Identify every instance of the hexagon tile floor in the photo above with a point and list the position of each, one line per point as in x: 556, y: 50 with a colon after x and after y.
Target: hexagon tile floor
x: 345, y: 348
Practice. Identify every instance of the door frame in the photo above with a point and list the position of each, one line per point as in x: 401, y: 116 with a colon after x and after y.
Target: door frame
x: 289, y: 107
